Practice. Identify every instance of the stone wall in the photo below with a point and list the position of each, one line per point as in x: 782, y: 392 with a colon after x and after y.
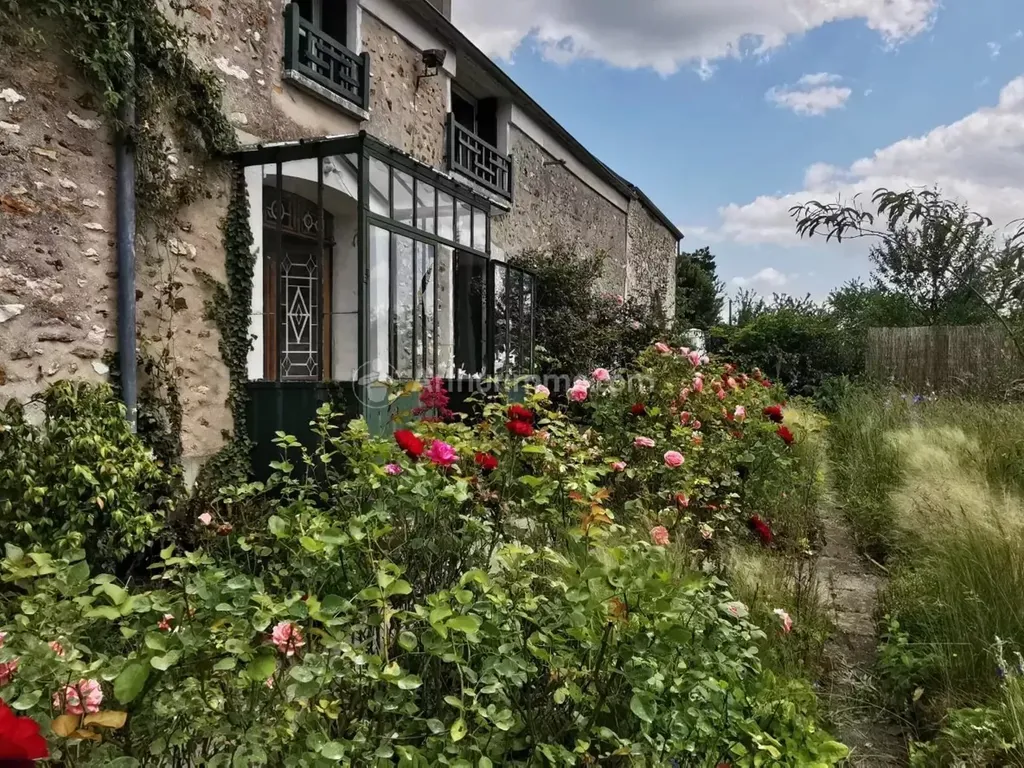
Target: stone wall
x: 651, y: 258
x: 403, y: 114
x: 552, y: 205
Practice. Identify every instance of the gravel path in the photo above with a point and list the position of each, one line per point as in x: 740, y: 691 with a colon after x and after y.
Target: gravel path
x: 852, y: 695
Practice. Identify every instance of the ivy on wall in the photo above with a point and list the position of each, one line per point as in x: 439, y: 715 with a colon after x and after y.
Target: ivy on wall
x: 229, y: 308
x: 131, y: 52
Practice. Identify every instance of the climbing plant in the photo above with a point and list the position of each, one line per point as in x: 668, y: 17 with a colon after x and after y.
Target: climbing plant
x: 136, y: 59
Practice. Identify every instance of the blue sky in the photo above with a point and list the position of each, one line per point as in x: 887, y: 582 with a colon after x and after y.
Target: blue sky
x: 727, y: 112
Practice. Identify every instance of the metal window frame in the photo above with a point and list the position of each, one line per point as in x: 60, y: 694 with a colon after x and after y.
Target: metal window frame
x: 366, y: 148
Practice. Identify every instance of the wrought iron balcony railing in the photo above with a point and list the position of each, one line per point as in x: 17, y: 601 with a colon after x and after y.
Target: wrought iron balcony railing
x: 480, y: 161
x: 325, y: 61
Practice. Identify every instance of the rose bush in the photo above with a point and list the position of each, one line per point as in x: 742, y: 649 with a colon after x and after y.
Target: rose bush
x: 518, y: 591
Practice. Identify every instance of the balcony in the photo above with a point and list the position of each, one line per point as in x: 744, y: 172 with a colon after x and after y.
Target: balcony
x: 479, y: 161
x: 325, y: 67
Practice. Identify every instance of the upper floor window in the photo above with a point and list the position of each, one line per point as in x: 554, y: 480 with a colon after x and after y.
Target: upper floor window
x: 473, y: 142
x: 329, y: 17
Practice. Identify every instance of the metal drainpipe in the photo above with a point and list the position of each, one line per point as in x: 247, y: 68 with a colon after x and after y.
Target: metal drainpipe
x: 124, y: 151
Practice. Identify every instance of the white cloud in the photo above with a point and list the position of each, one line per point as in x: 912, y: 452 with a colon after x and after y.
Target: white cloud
x: 768, y: 278
x: 993, y: 49
x: 812, y: 95
x: 667, y: 35
x: 979, y: 159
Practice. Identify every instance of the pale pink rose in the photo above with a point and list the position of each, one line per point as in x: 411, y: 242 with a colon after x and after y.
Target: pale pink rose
x: 57, y: 648
x: 706, y: 531
x: 442, y: 454
x: 704, y: 360
x: 673, y: 459
x: 287, y: 637
x: 721, y: 394
x: 206, y: 518
x: 583, y: 383
x: 694, y: 358
x: 698, y: 385
x: 619, y: 466
x: 659, y: 535
x: 166, y: 623
x: 601, y: 374
x: 393, y: 469
x: 684, y: 417
x: 578, y: 394
x: 786, y: 619
x: 7, y: 671
x: 740, y: 414
x: 685, y: 351
x: 685, y: 394
x: 541, y: 390
x: 696, y: 425
x: 732, y: 383
x: 663, y: 348
x: 643, y: 442
x: 84, y: 698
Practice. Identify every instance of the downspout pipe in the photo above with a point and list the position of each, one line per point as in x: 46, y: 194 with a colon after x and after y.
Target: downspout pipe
x: 124, y: 156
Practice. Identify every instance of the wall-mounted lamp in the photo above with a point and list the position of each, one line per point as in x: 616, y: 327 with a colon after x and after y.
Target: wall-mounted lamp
x: 433, y: 60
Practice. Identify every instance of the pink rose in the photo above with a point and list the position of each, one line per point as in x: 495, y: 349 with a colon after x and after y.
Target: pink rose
x: 786, y: 619
x: 659, y: 535
x: 541, y: 390
x: 694, y: 358
x: 583, y: 383
x: 732, y: 383
x: 166, y: 623
x: 685, y: 394
x: 7, y: 671
x: 740, y: 413
x: 698, y: 385
x: 619, y: 466
x: 578, y: 394
x: 601, y: 374
x: 442, y: 454
x: 270, y: 682
x: 685, y: 351
x: 57, y: 648
x: 287, y: 637
x: 704, y: 360
x: 643, y: 442
x: 721, y: 394
x: 684, y: 417
x: 206, y: 518
x: 84, y: 698
x: 393, y: 469
x: 663, y: 348
x: 673, y: 459
x: 696, y: 425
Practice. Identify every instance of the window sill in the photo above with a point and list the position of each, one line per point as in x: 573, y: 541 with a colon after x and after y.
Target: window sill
x: 337, y: 101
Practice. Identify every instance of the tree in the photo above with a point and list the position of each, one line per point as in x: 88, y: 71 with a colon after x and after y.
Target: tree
x: 936, y: 253
x: 698, y: 290
x: 857, y: 307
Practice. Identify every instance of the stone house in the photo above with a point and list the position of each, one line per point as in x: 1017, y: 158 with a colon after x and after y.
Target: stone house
x: 388, y: 168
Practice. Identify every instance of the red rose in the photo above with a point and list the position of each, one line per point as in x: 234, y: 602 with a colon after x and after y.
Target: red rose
x: 486, y: 462
x: 409, y: 443
x: 518, y: 412
x: 785, y: 434
x: 638, y: 410
x: 760, y: 527
x: 519, y: 428
x: 20, y: 742
x: 773, y: 413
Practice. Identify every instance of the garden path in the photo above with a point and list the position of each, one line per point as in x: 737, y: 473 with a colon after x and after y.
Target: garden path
x: 852, y: 694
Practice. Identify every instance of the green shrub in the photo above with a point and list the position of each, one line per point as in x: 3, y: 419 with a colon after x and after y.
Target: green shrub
x: 580, y: 327
x: 482, y: 595
x: 80, y: 479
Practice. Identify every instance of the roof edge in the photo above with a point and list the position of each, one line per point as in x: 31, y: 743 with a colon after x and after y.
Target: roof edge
x: 447, y: 29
